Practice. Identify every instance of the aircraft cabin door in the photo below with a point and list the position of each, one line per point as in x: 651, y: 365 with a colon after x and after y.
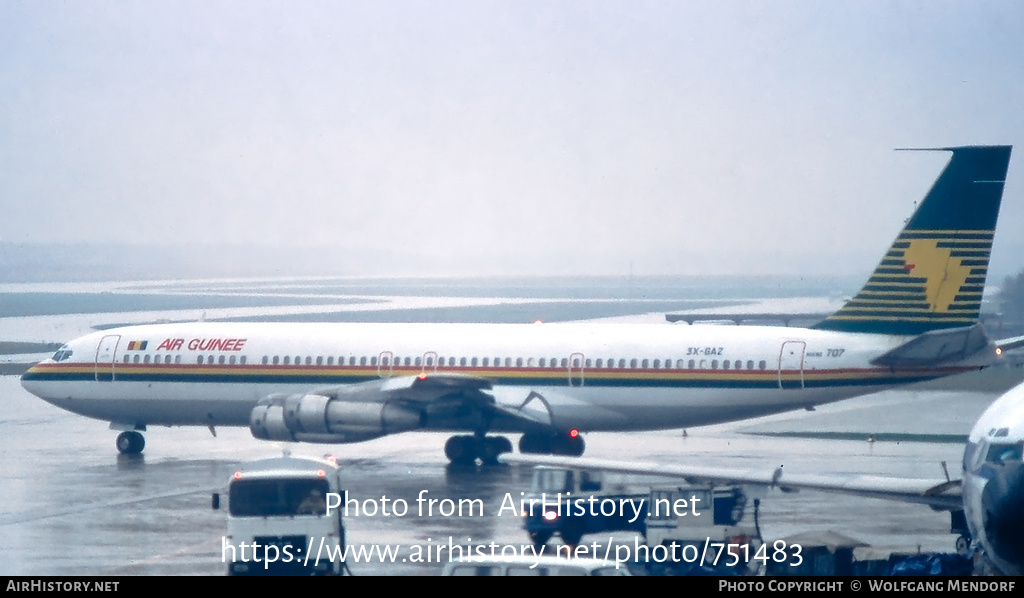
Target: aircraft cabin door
x: 429, y: 363
x: 791, y: 364
x: 576, y: 369
x: 106, y: 355
x: 385, y: 364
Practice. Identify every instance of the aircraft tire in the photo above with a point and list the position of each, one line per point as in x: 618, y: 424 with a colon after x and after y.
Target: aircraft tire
x: 493, y: 447
x: 130, y: 443
x: 534, y: 444
x: 570, y: 446
x: 461, y: 450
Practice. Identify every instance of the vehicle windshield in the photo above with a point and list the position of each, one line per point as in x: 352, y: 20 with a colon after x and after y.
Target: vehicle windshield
x: 551, y: 480
x: 278, y: 497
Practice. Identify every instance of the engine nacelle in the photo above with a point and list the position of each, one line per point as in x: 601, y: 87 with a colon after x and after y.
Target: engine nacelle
x: 319, y: 418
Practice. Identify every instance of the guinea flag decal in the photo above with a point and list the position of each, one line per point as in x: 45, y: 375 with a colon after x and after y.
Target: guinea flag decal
x: 137, y: 345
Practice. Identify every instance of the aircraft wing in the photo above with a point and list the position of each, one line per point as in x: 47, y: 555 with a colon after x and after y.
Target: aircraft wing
x: 355, y: 412
x: 437, y: 393
x: 938, y: 494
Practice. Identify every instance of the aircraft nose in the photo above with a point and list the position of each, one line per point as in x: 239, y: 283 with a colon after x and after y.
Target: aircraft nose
x: 29, y: 379
x: 1003, y: 504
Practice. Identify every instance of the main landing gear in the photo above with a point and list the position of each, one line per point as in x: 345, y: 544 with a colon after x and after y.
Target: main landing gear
x: 569, y: 444
x: 130, y: 442
x: 465, y: 450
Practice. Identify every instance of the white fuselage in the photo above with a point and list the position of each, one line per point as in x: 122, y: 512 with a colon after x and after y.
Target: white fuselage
x: 993, y: 482
x: 592, y: 377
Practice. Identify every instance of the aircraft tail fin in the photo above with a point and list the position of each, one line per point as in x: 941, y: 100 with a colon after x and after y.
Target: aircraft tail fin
x: 934, y: 273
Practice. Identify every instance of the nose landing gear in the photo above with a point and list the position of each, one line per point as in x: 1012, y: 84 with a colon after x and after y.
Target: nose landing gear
x: 130, y: 442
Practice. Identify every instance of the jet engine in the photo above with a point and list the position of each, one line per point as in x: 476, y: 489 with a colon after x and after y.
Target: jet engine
x: 320, y: 418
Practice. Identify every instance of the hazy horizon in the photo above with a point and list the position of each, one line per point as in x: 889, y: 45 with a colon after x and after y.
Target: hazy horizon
x: 467, y: 138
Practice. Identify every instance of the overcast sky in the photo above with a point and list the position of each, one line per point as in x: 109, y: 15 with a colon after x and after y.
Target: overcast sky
x: 481, y: 137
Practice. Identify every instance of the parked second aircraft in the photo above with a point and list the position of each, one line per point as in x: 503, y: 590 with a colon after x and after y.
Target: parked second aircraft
x: 915, y: 319
x: 990, y: 494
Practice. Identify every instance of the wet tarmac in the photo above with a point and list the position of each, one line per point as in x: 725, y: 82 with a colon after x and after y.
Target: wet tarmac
x: 73, y: 506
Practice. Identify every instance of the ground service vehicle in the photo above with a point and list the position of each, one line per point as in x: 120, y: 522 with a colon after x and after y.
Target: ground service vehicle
x: 572, y: 503
x: 278, y: 521
x: 683, y: 518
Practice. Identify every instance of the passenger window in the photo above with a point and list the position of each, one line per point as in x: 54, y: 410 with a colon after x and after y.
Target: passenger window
x: 242, y: 360
x: 146, y: 359
x: 473, y: 362
x: 750, y: 364
x: 762, y: 365
x: 199, y: 359
x: 287, y: 360
x: 725, y: 364
x: 231, y: 360
x: 632, y: 363
x: 220, y: 360
x: 714, y: 364
x: 657, y: 363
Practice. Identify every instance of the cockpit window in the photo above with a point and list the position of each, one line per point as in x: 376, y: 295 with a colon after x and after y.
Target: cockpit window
x: 1004, y: 453
x: 62, y: 354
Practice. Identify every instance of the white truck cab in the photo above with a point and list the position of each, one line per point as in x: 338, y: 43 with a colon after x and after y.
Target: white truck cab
x: 278, y: 522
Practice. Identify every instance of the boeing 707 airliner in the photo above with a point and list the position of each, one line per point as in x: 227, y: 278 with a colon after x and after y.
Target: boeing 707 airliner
x: 915, y: 319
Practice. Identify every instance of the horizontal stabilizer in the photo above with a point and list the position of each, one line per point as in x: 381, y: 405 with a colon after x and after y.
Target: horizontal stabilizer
x: 938, y: 347
x: 1009, y: 344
